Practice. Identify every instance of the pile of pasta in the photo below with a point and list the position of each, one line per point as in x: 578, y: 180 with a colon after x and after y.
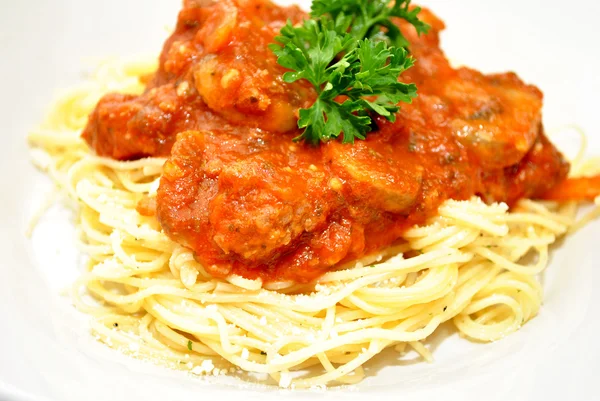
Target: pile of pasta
x: 149, y: 297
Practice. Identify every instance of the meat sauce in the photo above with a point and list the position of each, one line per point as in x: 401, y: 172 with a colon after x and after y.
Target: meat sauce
x: 249, y: 201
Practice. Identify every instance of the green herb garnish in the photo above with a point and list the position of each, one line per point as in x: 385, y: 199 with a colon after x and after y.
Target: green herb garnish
x: 345, y: 55
x: 371, y: 19
x: 189, y: 345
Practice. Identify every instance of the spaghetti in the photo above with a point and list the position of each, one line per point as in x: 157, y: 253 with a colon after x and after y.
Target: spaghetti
x: 150, y: 298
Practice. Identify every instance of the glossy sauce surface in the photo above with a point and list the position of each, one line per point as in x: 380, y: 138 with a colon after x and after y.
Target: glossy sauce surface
x: 249, y: 201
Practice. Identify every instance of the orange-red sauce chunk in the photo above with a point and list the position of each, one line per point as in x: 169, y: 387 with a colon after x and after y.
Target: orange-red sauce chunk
x: 249, y: 201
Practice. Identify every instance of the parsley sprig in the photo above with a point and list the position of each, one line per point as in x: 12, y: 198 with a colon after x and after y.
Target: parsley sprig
x: 366, y: 18
x: 352, y: 63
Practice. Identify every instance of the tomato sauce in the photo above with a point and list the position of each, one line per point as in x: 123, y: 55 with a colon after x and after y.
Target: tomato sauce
x: 249, y: 201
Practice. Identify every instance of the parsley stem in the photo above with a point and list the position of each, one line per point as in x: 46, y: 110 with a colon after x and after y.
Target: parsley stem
x: 366, y: 27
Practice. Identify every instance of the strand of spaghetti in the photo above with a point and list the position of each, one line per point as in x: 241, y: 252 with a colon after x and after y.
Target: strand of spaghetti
x: 587, y: 218
x: 420, y: 348
x: 490, y: 332
x: 517, y: 268
x: 540, y: 209
x: 440, y: 258
x: 543, y: 221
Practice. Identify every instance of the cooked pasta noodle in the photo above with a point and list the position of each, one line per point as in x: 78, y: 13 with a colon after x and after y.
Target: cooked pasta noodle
x: 150, y: 298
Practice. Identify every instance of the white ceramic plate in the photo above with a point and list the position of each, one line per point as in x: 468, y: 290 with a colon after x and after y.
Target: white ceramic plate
x: 46, y: 352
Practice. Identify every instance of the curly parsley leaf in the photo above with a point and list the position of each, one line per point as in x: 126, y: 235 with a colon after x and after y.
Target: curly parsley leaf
x: 327, y: 119
x: 351, y: 77
x: 366, y: 18
x: 309, y: 50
